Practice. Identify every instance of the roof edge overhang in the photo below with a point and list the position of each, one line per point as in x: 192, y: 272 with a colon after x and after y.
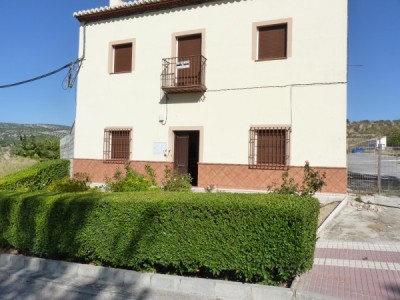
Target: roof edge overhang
x: 133, y: 9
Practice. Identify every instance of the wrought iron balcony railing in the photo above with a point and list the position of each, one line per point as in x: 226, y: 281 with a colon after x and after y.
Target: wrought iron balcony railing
x: 183, y: 74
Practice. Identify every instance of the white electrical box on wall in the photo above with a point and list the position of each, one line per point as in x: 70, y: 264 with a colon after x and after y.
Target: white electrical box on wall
x: 161, y: 118
x: 159, y: 148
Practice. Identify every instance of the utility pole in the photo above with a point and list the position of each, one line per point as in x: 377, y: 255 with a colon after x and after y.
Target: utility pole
x: 379, y: 166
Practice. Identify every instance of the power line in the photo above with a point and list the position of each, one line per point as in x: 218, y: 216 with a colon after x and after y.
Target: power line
x: 69, y: 65
x: 70, y: 78
x: 279, y: 86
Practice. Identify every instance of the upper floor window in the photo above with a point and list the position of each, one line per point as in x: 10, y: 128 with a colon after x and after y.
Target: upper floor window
x: 121, y: 56
x: 269, y: 147
x: 272, y: 40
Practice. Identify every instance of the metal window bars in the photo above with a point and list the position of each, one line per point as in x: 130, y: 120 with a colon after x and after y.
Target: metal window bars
x: 183, y: 74
x: 117, y: 144
x: 269, y: 147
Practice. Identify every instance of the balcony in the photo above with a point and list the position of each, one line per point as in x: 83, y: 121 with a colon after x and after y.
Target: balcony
x: 183, y: 74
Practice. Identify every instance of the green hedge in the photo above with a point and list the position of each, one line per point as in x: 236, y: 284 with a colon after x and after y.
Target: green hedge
x: 249, y: 238
x: 35, y: 178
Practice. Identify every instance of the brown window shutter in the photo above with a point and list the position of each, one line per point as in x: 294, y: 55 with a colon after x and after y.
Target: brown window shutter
x: 189, y: 45
x: 271, y: 147
x: 272, y: 41
x: 123, y: 58
x: 262, y: 143
x: 120, y: 144
x: 189, y: 49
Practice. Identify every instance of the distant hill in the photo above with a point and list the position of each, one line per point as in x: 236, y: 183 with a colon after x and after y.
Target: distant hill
x: 359, y: 132
x: 10, y: 132
x: 372, y: 127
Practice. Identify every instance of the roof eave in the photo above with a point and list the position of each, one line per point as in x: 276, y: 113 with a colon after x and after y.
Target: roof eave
x: 136, y: 9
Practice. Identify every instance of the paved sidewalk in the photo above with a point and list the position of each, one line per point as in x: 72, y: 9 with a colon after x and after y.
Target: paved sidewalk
x: 358, y: 253
x: 351, y: 270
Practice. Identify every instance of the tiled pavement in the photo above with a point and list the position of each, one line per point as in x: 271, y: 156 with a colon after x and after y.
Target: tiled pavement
x: 350, y: 270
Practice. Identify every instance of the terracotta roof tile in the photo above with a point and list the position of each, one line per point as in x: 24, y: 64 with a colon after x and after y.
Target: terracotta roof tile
x: 132, y: 7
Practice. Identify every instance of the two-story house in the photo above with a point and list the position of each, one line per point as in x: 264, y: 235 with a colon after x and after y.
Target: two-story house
x: 233, y: 92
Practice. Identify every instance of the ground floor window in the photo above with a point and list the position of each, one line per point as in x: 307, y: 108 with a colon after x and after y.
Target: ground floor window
x: 269, y: 147
x: 117, y: 144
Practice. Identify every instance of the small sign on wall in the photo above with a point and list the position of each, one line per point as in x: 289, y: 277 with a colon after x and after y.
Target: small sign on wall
x: 184, y: 64
x: 159, y: 148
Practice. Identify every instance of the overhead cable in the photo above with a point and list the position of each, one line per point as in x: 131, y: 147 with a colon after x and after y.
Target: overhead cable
x: 70, y: 65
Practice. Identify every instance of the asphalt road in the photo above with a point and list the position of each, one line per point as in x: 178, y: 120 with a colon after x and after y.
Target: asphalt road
x: 367, y: 163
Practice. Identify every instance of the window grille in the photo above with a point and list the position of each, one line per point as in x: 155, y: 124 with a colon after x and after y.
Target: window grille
x: 269, y: 147
x: 117, y: 144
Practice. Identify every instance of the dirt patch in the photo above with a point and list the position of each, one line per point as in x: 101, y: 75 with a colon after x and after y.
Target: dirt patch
x: 325, y: 210
x: 379, y: 227
x: 364, y: 222
x: 11, y: 164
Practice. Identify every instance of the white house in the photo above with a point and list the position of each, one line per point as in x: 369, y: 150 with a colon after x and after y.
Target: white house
x: 234, y: 92
x: 378, y: 142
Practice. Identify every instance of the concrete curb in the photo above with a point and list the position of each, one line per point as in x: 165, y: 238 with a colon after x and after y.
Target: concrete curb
x: 126, y: 280
x: 313, y: 296
x: 333, y: 214
x: 121, y: 282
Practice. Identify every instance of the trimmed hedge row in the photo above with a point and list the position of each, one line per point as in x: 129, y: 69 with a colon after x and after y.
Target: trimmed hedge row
x: 36, y: 177
x: 249, y: 238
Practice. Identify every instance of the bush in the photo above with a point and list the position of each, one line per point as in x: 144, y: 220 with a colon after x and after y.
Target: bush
x: 133, y: 181
x: 243, y: 237
x: 176, y: 182
x: 313, y: 182
x: 35, y: 178
x: 79, y: 183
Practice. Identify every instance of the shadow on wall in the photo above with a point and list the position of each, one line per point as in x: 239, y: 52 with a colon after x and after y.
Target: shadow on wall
x: 183, y: 98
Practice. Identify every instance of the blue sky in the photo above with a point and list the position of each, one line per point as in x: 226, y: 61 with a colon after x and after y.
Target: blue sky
x: 40, y: 36
x: 374, y: 43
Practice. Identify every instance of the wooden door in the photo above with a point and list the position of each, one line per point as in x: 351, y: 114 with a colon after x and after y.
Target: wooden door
x: 189, y: 60
x: 181, y: 152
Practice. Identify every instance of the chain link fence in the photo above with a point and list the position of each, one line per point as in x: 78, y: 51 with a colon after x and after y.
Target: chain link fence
x: 374, y: 170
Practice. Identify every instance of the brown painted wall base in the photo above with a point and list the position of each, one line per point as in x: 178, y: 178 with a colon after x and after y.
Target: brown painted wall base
x: 220, y: 175
x: 99, y: 170
x: 241, y: 177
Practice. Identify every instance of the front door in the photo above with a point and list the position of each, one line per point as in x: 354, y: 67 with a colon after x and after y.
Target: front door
x: 186, y: 153
x: 189, y: 60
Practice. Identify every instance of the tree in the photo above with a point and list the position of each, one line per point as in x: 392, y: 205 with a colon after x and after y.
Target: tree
x: 42, y: 148
x: 393, y: 137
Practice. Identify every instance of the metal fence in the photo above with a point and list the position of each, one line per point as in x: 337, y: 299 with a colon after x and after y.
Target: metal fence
x: 67, y: 147
x: 374, y: 170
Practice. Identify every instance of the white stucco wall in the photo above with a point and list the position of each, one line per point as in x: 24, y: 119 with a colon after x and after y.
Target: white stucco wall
x: 316, y: 113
